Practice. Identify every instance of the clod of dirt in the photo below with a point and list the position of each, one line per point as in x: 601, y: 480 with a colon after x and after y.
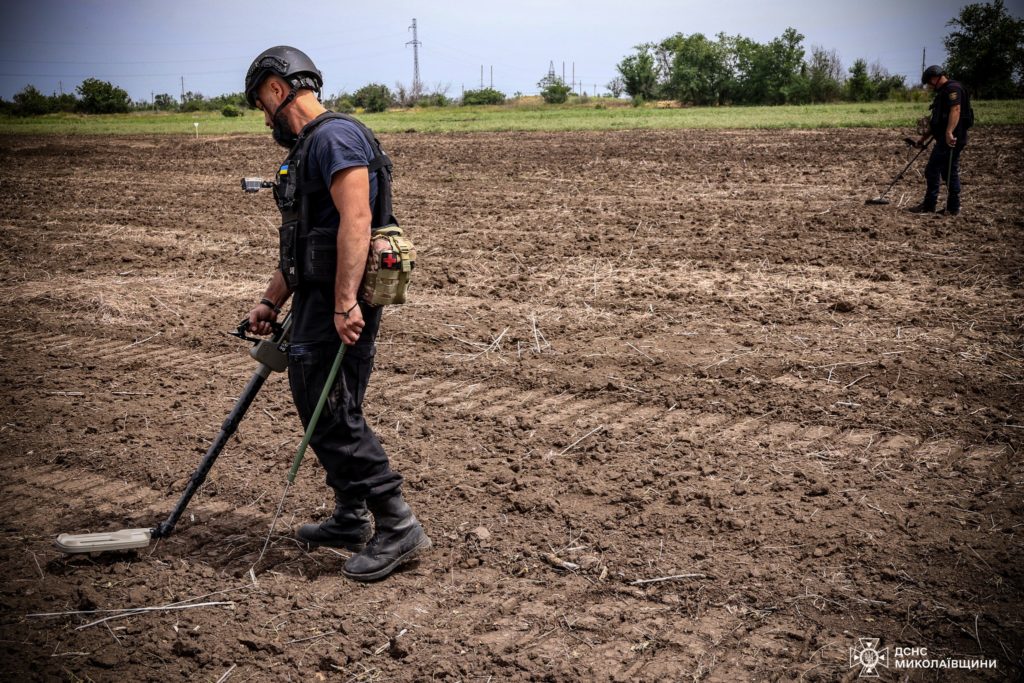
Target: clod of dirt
x: 480, y: 533
x: 88, y: 598
x: 105, y: 659
x: 183, y: 649
x: 260, y: 646
x: 842, y: 307
x: 818, y: 490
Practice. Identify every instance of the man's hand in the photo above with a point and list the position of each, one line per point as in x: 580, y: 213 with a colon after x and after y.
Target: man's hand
x: 260, y: 318
x: 950, y: 140
x: 349, y: 323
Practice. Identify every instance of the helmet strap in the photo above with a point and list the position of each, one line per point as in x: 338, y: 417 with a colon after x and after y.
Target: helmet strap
x: 285, y: 102
x: 283, y: 135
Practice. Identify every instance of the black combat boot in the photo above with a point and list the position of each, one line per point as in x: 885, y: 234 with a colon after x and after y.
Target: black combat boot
x: 952, y: 205
x: 349, y: 527
x: 923, y: 207
x: 398, y: 539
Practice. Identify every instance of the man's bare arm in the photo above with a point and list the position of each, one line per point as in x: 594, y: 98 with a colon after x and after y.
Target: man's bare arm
x: 350, y: 191
x: 954, y: 118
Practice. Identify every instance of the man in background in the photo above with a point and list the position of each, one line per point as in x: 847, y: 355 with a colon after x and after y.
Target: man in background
x: 948, y: 127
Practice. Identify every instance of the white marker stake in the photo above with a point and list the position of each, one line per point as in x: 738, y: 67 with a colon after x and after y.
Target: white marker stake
x: 196, y: 124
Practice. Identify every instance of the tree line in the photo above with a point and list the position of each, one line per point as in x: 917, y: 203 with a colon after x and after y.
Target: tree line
x: 985, y: 52
x: 985, y: 49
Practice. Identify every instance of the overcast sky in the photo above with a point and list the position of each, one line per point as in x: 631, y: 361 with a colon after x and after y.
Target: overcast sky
x: 146, y: 47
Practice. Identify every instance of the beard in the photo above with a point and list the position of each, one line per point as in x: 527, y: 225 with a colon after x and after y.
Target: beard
x: 283, y: 135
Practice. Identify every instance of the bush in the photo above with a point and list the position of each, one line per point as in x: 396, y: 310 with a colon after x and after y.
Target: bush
x: 374, y: 97
x: 30, y: 102
x: 483, y: 96
x: 555, y: 92
x: 231, y: 111
x: 101, y: 97
x: 434, y: 99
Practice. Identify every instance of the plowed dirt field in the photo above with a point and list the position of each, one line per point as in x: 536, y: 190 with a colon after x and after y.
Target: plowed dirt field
x: 672, y: 406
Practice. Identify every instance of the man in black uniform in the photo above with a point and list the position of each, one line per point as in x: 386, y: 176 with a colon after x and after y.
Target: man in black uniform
x: 334, y: 185
x: 950, y: 133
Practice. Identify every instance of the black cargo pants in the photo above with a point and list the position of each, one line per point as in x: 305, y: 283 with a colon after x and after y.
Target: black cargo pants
x: 356, y: 464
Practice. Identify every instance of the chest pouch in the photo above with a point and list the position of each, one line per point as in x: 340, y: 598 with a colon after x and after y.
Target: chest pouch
x: 388, y: 267
x: 291, y: 209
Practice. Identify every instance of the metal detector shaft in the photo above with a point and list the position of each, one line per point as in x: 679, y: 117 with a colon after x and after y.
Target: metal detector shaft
x: 316, y: 413
x: 905, y: 169
x: 231, y: 422
x: 310, y: 428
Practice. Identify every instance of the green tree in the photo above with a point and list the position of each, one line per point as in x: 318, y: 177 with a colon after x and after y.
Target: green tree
x: 638, y: 74
x: 986, y: 51
x: 616, y: 87
x: 101, y: 97
x: 553, y: 90
x: 30, y: 102
x: 66, y: 102
x: 824, y: 75
x: 858, y: 85
x: 164, y: 102
x: 373, y: 97
x: 700, y: 70
x: 483, y: 96
x: 235, y: 99
x: 194, y: 101
x: 342, y: 102
x: 884, y: 84
x: 771, y: 73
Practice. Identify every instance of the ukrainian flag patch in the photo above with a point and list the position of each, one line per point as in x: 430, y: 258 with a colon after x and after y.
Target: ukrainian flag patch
x: 284, y: 170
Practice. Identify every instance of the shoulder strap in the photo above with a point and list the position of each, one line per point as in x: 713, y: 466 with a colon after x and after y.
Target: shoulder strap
x: 379, y: 161
x: 379, y: 164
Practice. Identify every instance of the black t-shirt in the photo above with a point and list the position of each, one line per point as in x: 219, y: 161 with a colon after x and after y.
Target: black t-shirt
x: 335, y: 145
x: 948, y: 96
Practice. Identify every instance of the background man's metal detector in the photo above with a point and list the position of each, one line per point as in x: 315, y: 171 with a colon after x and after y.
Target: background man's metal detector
x: 881, y: 199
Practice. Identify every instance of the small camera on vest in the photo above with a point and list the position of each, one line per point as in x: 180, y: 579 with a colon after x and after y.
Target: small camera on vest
x: 255, y: 184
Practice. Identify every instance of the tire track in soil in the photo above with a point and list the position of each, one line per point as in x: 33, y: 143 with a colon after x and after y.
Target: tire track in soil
x: 120, y: 352
x: 100, y: 503
x: 495, y: 402
x: 703, y: 428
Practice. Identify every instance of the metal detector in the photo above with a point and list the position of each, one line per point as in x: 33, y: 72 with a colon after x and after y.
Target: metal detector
x: 272, y: 355
x: 881, y: 199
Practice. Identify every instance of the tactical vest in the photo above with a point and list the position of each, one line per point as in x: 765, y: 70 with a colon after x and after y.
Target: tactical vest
x: 940, y: 111
x: 308, y: 253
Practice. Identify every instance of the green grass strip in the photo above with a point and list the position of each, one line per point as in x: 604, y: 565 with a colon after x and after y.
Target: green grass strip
x: 530, y: 118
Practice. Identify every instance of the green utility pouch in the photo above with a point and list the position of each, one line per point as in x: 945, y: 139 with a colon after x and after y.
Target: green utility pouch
x: 388, y: 267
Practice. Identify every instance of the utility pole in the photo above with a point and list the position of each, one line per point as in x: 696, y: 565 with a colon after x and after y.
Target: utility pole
x: 574, y: 77
x: 182, y: 91
x: 563, y: 71
x: 415, y: 59
x: 924, y: 52
x: 60, y: 84
x: 492, y: 77
x: 481, y: 76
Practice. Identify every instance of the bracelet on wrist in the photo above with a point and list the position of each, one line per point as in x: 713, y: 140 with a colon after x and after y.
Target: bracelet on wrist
x: 271, y: 305
x: 345, y: 314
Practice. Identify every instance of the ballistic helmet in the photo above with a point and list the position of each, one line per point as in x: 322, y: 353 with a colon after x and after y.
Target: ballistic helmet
x: 291, y: 64
x: 931, y: 72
